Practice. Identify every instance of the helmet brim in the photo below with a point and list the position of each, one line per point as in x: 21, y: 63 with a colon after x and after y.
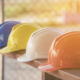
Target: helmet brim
x: 8, y: 49
x: 47, y: 67
x: 1, y: 46
x: 24, y: 58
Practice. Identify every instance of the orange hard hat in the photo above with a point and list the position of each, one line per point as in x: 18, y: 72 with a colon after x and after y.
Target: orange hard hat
x: 64, y: 53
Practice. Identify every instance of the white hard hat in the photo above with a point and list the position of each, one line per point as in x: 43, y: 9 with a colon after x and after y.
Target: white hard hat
x: 39, y: 44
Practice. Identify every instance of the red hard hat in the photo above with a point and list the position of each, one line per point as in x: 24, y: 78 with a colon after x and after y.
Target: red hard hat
x: 64, y: 53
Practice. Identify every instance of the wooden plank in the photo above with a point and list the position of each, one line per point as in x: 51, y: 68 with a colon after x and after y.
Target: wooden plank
x: 0, y: 67
x: 46, y: 76
x: 65, y: 74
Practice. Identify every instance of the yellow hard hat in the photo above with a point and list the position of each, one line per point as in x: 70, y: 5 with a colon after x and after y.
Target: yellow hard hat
x: 19, y: 36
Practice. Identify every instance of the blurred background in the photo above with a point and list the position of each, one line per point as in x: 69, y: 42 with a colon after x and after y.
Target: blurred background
x: 61, y: 14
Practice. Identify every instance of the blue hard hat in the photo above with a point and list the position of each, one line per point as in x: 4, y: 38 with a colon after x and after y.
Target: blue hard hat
x: 5, y: 29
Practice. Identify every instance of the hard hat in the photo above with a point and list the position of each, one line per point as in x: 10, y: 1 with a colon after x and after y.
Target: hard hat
x: 5, y: 29
x: 39, y: 44
x: 19, y: 36
x: 64, y: 53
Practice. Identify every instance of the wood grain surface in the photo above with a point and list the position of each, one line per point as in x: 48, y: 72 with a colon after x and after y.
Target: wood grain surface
x: 64, y: 74
x: 0, y: 67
